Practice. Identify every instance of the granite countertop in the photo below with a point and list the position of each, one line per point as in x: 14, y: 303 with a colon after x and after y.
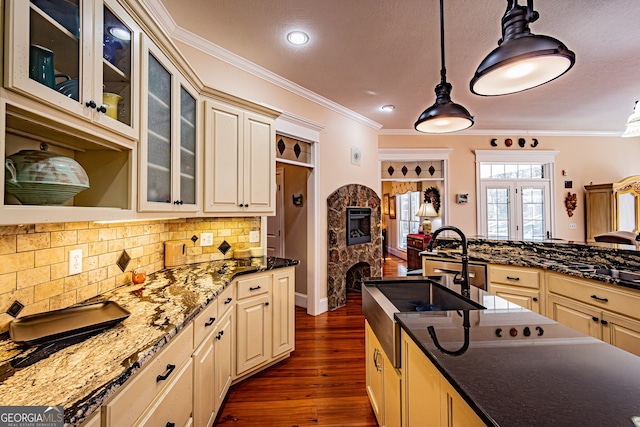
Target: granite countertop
x: 577, y: 260
x: 81, y: 376
x: 559, y: 378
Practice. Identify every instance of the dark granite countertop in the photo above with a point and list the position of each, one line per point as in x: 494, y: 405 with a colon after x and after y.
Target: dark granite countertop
x: 82, y: 375
x: 577, y: 260
x: 559, y: 378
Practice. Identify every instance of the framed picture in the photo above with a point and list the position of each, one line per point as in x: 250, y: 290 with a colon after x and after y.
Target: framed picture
x: 385, y: 204
x: 392, y: 207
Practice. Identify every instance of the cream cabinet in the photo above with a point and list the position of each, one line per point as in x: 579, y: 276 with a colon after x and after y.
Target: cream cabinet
x: 612, y: 207
x: 383, y: 382
x: 428, y: 398
x: 253, y: 345
x: 284, y: 314
x: 604, y: 312
x: 240, y: 161
x: 81, y: 57
x: 224, y: 358
x: 520, y: 285
x: 169, y: 166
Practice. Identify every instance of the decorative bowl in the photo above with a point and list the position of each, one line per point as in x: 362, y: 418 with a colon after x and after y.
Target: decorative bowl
x: 43, y: 178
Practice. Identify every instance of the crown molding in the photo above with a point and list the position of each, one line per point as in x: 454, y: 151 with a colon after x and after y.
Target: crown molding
x: 505, y: 132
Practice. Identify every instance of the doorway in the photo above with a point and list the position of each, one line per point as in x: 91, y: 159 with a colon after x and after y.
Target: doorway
x: 275, y: 224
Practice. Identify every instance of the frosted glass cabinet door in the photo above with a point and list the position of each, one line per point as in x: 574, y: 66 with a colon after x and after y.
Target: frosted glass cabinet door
x: 188, y: 155
x: 627, y: 213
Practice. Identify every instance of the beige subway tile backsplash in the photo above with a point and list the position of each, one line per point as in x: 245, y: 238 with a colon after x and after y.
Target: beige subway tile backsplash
x: 34, y: 258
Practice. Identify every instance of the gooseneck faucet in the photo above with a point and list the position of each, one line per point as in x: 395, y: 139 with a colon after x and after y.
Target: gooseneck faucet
x: 463, y: 280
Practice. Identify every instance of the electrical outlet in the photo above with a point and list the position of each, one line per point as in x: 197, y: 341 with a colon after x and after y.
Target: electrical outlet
x: 572, y: 226
x: 75, y: 261
x: 206, y: 239
x: 254, y: 236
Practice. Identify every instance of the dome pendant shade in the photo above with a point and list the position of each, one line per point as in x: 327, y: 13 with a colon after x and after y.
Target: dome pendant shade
x: 633, y: 123
x: 444, y: 116
x: 522, y: 60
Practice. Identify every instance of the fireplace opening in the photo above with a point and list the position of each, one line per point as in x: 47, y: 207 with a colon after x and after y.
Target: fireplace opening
x: 358, y: 226
x: 356, y: 275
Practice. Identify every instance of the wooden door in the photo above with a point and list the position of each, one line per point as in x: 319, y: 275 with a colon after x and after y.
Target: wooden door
x: 275, y: 224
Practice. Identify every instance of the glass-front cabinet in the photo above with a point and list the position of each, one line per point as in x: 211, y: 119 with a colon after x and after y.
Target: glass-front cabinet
x: 169, y: 147
x: 81, y: 56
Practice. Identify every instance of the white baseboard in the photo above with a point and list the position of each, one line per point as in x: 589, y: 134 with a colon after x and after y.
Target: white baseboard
x: 300, y: 300
x: 324, y: 305
x: 398, y: 253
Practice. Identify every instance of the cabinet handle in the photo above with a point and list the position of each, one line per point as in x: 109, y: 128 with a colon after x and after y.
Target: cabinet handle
x: 90, y: 104
x: 102, y: 109
x: 228, y: 300
x: 266, y: 303
x: 170, y: 369
x: 595, y: 319
x: 255, y: 289
x: 177, y: 202
x: 597, y: 298
x: 376, y: 353
x: 210, y: 322
x: 535, y: 299
x: 604, y: 322
x: 513, y: 278
x: 170, y: 424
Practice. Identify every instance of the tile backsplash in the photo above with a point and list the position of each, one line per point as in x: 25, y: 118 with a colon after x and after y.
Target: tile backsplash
x: 34, y: 259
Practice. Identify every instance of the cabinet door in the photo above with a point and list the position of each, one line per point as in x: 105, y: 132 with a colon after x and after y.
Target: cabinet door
x: 392, y: 395
x: 622, y: 332
x: 223, y: 365
x: 203, y: 383
x: 284, y: 315
x: 375, y: 373
x: 254, y: 330
x: 259, y: 164
x: 223, y: 155
x: 580, y: 317
x: 62, y: 53
x: 420, y: 386
x: 527, y: 298
x: 456, y: 412
x: 168, y: 147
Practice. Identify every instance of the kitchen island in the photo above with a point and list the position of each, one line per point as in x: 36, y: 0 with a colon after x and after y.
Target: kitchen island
x: 83, y: 375
x: 518, y: 368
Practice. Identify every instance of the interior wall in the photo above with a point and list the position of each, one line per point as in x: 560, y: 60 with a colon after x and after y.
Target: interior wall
x: 339, y: 135
x: 585, y: 159
x: 295, y: 219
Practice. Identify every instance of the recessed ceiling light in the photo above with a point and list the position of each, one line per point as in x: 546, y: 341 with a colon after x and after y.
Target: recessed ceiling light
x: 297, y: 37
x: 388, y: 107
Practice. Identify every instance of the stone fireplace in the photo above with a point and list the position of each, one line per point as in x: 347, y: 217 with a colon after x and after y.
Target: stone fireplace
x: 361, y: 259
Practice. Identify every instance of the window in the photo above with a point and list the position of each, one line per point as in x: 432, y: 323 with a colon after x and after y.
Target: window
x: 408, y: 223
x: 515, y: 194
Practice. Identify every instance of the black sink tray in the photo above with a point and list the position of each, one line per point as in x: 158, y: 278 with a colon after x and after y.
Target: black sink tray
x: 65, y: 323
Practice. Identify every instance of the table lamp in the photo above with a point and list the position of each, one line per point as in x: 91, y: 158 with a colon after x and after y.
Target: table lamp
x: 426, y: 211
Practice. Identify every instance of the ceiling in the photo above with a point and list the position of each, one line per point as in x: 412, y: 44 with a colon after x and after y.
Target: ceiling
x: 367, y: 53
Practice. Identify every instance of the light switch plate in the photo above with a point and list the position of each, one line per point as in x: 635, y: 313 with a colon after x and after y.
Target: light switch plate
x: 254, y: 236
x: 75, y: 261
x: 206, y: 239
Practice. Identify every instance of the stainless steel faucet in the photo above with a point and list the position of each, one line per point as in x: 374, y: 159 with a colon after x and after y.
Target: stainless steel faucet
x: 463, y: 280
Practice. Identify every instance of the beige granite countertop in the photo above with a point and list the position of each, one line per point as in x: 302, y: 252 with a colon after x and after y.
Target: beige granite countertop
x: 81, y: 376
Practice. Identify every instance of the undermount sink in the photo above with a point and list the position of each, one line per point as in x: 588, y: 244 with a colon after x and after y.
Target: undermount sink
x: 627, y: 276
x: 381, y: 299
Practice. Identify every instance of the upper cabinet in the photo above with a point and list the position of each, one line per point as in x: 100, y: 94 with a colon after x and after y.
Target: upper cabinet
x: 79, y: 56
x: 170, y: 144
x: 240, y: 160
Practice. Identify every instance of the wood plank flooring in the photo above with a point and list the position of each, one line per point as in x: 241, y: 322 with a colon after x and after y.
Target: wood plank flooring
x: 321, y: 384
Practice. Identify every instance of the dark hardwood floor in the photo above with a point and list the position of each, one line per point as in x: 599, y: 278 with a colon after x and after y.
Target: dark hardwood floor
x: 321, y: 384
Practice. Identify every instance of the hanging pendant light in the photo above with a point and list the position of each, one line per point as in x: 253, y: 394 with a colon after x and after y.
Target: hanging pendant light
x: 445, y: 115
x: 633, y: 123
x: 522, y: 60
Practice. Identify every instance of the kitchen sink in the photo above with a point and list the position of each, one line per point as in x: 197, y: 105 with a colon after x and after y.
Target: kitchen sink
x: 381, y: 299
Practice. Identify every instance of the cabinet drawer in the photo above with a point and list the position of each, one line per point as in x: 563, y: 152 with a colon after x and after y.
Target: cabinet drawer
x: 143, y: 388
x: 225, y: 300
x: 173, y: 406
x: 515, y: 276
x: 611, y: 299
x: 205, y: 322
x: 253, y: 286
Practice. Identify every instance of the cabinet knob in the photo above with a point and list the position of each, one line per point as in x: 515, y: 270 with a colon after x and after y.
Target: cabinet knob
x: 91, y: 104
x: 595, y: 319
x: 604, y: 322
x: 102, y: 109
x: 535, y: 299
x: 266, y: 303
x: 170, y: 424
x: 177, y: 202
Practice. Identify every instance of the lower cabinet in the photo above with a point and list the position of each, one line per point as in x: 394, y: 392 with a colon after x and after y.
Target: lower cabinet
x: 606, y: 313
x: 223, y: 366
x: 383, y: 382
x: 519, y: 285
x: 527, y: 298
x: 428, y: 398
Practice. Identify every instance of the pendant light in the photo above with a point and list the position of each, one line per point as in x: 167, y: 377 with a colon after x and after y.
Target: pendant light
x: 522, y: 60
x: 445, y: 115
x: 633, y: 123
